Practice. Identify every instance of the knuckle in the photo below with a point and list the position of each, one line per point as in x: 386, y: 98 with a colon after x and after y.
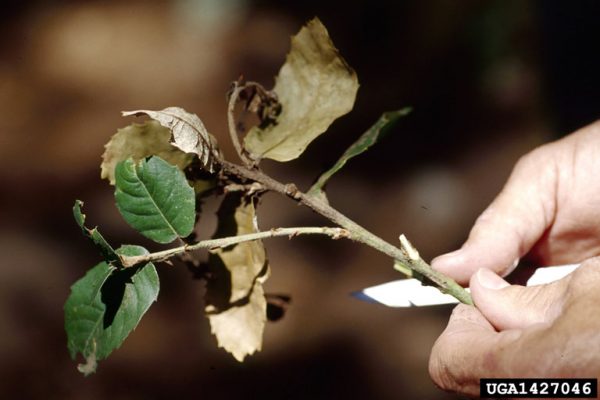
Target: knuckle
x: 449, y: 370
x: 443, y: 367
x: 533, y: 158
x: 439, y: 368
x: 486, y: 215
x: 539, y: 162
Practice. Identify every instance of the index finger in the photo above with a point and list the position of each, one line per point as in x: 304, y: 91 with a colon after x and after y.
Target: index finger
x: 512, y: 224
x: 467, y: 351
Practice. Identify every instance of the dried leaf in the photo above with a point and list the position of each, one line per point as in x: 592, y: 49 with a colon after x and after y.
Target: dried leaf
x: 315, y: 86
x: 138, y: 141
x: 364, y: 142
x: 188, y: 133
x: 236, y: 304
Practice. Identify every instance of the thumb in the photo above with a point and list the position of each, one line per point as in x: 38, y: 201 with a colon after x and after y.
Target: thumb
x: 512, y: 224
x: 516, y: 307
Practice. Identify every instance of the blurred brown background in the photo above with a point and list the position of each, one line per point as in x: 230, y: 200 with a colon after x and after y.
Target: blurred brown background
x: 488, y: 80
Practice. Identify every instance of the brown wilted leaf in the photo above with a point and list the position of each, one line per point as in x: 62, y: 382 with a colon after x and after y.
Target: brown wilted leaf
x: 139, y: 141
x: 315, y: 86
x: 188, y: 133
x: 236, y: 305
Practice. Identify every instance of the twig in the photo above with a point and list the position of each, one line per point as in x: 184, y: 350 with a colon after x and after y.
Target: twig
x: 334, y: 233
x: 406, y: 256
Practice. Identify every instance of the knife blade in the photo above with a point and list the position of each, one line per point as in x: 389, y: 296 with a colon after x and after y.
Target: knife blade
x: 411, y: 293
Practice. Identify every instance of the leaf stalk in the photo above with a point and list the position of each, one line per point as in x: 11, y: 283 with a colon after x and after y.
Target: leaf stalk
x: 233, y: 129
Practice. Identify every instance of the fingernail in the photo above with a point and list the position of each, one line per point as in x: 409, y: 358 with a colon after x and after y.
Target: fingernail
x: 489, y: 280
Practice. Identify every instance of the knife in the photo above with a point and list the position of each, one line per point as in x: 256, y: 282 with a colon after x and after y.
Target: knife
x: 411, y: 293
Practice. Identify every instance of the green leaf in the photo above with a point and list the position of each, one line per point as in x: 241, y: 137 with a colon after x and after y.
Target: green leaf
x: 106, y: 249
x: 154, y: 198
x: 189, y: 133
x: 315, y: 86
x: 366, y: 140
x: 138, y: 141
x: 84, y: 311
x: 236, y: 304
x: 105, y: 306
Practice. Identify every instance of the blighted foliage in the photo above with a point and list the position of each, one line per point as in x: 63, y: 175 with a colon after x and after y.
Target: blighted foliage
x: 161, y: 166
x: 315, y: 86
x: 138, y: 141
x: 237, y: 313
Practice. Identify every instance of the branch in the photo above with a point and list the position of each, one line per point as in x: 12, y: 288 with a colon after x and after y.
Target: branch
x: 406, y: 255
x: 334, y: 233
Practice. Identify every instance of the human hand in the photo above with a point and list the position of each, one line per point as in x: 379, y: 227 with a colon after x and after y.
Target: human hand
x: 548, y: 208
x: 541, y: 331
